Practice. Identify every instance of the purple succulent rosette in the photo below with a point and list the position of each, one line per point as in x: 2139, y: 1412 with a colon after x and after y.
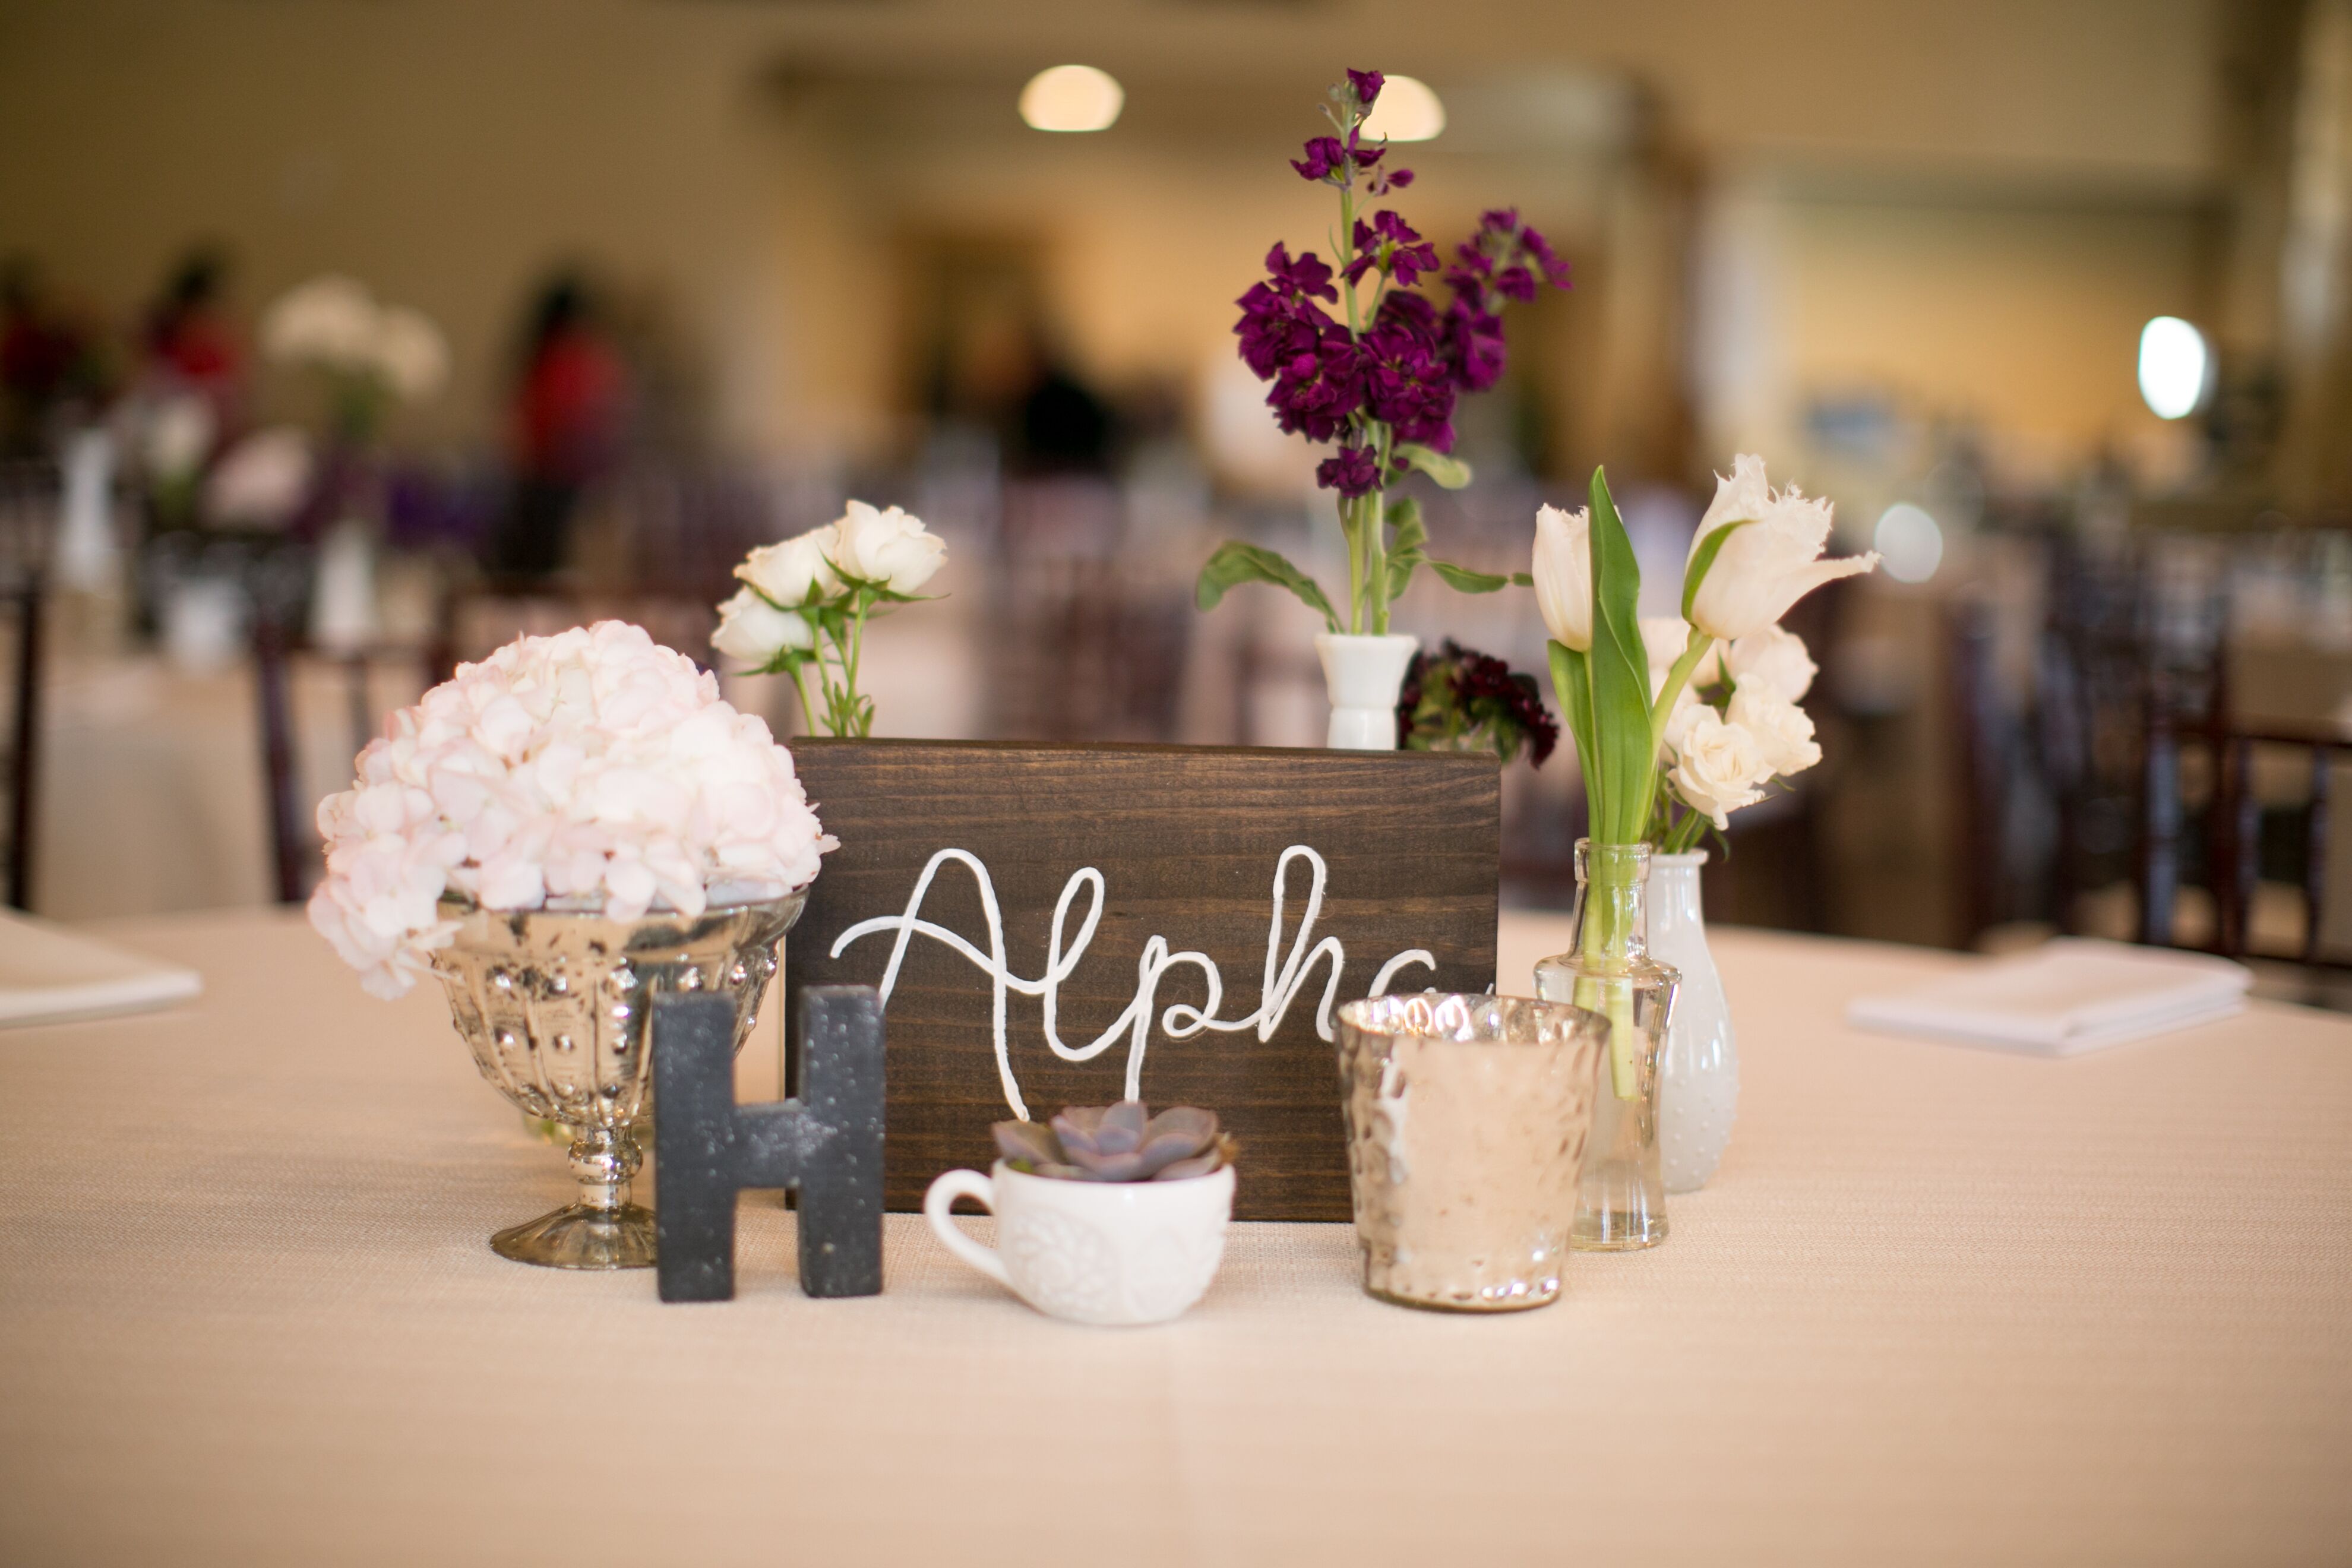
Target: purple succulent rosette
x: 1378, y: 373
x: 1121, y: 1143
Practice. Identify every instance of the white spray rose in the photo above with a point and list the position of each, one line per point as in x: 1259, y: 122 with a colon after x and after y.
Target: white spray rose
x: 1668, y: 637
x: 1774, y: 658
x: 1563, y: 575
x: 1769, y: 563
x: 1782, y: 731
x: 755, y: 631
x: 886, y: 548
x: 796, y: 572
x: 1718, y: 767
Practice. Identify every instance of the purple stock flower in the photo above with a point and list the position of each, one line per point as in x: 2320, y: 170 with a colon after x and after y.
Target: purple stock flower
x: 1368, y: 84
x: 1353, y: 471
x: 1324, y: 155
x: 1393, y: 245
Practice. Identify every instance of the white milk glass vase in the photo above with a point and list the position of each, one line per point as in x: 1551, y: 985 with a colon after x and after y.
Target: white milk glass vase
x: 1364, y: 676
x: 1699, y: 1073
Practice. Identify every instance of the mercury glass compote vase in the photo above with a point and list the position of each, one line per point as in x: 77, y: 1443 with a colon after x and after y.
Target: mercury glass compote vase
x: 555, y: 1005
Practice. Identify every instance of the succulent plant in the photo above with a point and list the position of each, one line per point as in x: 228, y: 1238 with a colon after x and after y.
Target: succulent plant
x: 1122, y: 1143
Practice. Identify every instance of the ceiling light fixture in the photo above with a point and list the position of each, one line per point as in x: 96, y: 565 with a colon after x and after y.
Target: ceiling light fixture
x: 1072, y: 98
x: 1407, y: 112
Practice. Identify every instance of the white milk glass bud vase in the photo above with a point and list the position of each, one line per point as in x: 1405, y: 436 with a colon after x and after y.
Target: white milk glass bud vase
x: 1699, y: 1073
x: 1364, y: 675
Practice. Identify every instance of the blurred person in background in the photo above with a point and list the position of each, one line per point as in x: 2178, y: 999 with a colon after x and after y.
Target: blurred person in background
x: 569, y: 408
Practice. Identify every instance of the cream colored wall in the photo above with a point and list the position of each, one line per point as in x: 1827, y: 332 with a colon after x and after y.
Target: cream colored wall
x: 447, y: 155
x: 449, y: 150
x: 2020, y: 317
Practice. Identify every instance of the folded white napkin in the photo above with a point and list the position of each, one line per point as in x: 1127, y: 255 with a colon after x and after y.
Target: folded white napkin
x: 2069, y: 995
x: 48, y: 974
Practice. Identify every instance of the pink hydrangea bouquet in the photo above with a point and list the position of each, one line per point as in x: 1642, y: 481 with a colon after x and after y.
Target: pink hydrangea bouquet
x: 590, y: 770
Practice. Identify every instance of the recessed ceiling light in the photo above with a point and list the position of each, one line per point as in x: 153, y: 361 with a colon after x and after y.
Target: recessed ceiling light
x: 1406, y: 111
x: 1072, y: 98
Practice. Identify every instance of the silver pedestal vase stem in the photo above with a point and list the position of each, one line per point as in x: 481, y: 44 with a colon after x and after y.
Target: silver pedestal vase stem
x: 555, y: 1006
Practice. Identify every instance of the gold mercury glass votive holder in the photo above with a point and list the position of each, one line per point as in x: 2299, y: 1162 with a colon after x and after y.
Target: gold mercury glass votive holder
x: 1466, y: 1121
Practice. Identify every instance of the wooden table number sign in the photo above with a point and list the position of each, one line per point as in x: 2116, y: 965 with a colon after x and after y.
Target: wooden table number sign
x: 1072, y: 925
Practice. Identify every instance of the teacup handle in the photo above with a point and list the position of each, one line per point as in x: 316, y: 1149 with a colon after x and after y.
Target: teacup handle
x: 949, y: 1186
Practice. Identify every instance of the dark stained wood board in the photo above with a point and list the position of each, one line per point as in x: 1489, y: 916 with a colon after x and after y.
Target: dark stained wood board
x: 1187, y: 840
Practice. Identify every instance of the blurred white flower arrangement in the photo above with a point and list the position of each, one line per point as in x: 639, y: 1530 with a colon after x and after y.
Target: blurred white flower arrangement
x: 805, y: 602
x: 594, y: 769
x: 371, y: 354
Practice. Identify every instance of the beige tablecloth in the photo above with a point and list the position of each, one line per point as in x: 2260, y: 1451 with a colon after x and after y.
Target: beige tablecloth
x: 1939, y: 1306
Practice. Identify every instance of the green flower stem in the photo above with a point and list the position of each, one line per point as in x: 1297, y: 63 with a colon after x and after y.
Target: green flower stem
x: 1662, y: 709
x: 1607, y: 932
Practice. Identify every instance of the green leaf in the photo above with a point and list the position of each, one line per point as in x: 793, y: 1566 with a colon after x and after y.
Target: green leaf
x: 1451, y: 473
x: 1464, y: 580
x: 1621, y: 678
x: 1703, y: 558
x: 1235, y: 563
x: 1571, y: 682
x: 1410, y: 534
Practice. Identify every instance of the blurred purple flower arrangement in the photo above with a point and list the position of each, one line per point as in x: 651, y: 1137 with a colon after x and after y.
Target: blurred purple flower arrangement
x: 1382, y: 376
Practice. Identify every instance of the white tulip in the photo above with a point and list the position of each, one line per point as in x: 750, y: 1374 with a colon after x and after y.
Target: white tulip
x: 411, y: 355
x: 1563, y: 573
x: 1718, y: 766
x: 1770, y: 564
x: 796, y: 571
x: 1774, y: 658
x: 755, y: 631
x: 1667, y: 638
x: 1782, y: 731
x: 884, y: 548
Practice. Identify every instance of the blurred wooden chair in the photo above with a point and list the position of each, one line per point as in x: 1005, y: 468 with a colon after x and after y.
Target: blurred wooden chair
x: 30, y: 498
x: 2246, y: 851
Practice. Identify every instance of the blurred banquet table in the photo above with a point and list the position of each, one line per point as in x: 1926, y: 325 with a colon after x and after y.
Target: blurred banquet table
x: 1939, y: 1306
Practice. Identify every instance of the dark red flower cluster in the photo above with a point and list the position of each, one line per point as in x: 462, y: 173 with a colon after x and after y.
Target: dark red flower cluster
x: 1463, y: 697
x: 1409, y: 363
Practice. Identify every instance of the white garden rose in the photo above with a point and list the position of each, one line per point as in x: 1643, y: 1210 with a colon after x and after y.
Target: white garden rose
x: 755, y: 631
x: 1774, y: 658
x: 1563, y: 575
x: 594, y: 769
x: 1718, y: 767
x: 884, y: 548
x: 1782, y: 731
x: 1667, y: 638
x: 1769, y: 562
x: 411, y: 355
x: 796, y: 571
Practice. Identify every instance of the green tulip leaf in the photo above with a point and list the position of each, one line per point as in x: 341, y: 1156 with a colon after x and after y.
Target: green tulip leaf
x: 1236, y: 562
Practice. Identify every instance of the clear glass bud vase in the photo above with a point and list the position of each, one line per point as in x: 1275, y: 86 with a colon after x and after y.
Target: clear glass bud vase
x: 1621, y: 1198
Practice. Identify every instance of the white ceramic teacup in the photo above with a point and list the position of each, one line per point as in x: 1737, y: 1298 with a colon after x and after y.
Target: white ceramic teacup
x: 1093, y: 1252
